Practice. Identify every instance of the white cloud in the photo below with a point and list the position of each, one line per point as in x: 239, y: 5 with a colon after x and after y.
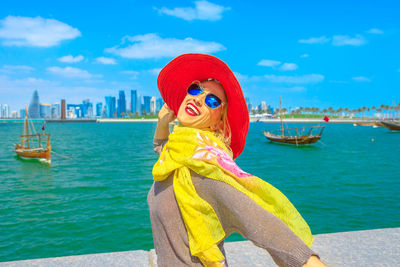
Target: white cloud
x: 132, y: 73
x: 303, y: 79
x: 203, y: 10
x: 71, y: 59
x: 152, y: 46
x: 361, y: 79
x: 26, y: 31
x: 288, y: 66
x: 315, y: 40
x: 155, y: 71
x: 340, y: 40
x: 375, y: 31
x: 269, y: 63
x: 304, y: 55
x: 15, y: 68
x: 70, y: 72
x: 106, y: 60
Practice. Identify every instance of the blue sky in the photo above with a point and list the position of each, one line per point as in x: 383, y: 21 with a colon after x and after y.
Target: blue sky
x: 312, y: 53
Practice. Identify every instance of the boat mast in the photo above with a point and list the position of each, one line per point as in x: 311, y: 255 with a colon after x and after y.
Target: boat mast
x: 280, y: 112
x: 27, y: 127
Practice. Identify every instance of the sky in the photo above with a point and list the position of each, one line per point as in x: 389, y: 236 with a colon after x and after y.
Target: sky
x: 311, y: 53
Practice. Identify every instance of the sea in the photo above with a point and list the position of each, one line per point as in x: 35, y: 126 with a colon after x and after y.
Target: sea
x: 92, y: 198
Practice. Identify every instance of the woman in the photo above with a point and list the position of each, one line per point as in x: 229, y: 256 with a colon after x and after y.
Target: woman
x: 200, y: 195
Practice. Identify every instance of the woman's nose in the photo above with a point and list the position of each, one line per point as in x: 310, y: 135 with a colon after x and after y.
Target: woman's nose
x: 198, y: 100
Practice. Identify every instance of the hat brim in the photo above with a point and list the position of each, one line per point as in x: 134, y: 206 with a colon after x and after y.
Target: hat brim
x: 178, y: 74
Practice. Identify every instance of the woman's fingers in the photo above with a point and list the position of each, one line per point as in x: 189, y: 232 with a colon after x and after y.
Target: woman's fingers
x: 166, y: 113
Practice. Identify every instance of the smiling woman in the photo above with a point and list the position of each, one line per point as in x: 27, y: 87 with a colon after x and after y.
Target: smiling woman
x: 200, y: 196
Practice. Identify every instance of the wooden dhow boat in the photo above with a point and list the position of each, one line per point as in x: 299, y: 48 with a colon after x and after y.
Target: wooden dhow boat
x: 31, y: 146
x: 296, y: 135
x: 392, y: 125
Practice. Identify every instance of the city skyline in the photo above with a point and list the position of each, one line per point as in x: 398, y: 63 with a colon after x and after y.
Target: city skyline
x: 313, y: 54
x: 113, y: 107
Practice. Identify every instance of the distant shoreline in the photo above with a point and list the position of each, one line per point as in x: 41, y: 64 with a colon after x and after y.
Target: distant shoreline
x: 141, y: 120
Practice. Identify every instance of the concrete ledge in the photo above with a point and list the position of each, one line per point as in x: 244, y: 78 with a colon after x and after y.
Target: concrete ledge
x: 379, y: 247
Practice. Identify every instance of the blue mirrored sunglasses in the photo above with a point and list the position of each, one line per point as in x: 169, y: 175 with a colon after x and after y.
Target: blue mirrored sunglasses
x: 212, y: 101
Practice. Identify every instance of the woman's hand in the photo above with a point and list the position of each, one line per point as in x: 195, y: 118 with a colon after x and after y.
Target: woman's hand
x: 166, y: 115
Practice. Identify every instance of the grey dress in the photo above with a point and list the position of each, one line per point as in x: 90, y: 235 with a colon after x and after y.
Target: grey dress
x: 236, y: 212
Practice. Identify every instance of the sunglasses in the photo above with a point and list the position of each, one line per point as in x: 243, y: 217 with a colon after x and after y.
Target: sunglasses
x: 212, y: 101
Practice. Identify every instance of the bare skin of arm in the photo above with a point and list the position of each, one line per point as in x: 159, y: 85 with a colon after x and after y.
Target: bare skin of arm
x: 165, y: 116
x: 313, y: 261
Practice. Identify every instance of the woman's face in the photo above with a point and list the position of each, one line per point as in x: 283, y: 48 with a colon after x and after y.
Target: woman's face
x: 194, y: 113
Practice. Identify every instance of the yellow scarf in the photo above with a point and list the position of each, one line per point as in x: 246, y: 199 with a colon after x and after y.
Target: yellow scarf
x: 201, y: 151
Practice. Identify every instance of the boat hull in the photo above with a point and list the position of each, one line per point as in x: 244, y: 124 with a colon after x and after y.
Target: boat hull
x: 302, y: 140
x: 43, y: 154
x: 394, y: 126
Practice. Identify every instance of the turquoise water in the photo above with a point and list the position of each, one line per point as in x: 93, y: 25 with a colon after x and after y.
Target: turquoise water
x: 96, y: 201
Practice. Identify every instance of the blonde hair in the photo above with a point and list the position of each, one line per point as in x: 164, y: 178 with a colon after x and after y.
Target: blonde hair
x: 224, y: 133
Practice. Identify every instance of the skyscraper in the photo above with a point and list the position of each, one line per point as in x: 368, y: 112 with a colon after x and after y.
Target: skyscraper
x: 153, y: 105
x: 55, y: 111
x: 74, y: 111
x: 121, y: 109
x: 34, y: 106
x: 146, y: 104
x: 159, y: 103
x: 133, y: 101
x: 249, y: 105
x: 87, y: 108
x: 21, y: 113
x: 110, y: 106
x: 99, y: 108
x: 4, y: 111
x: 63, y: 109
x: 139, y: 104
x: 45, y: 111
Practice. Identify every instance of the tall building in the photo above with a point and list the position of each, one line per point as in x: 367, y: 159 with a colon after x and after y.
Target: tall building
x: 159, y: 103
x: 55, y: 111
x: 99, y: 109
x: 45, y: 111
x: 74, y: 111
x: 153, y: 105
x: 4, y: 111
x: 146, y: 104
x: 139, y: 104
x: 63, y: 109
x: 121, y: 109
x: 21, y: 113
x: 87, y: 109
x: 133, y: 101
x: 249, y: 105
x: 34, y: 106
x: 110, y: 107
x: 264, y: 106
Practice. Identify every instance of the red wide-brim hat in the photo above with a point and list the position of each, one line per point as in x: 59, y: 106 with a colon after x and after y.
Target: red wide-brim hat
x: 177, y: 75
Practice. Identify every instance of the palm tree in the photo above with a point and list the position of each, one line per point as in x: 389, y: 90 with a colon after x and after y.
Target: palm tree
x: 374, y: 111
x: 363, y: 109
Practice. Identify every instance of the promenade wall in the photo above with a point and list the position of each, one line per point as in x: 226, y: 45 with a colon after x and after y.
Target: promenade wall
x: 380, y: 247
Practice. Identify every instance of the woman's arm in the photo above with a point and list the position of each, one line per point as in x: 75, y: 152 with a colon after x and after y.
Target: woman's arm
x: 165, y: 116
